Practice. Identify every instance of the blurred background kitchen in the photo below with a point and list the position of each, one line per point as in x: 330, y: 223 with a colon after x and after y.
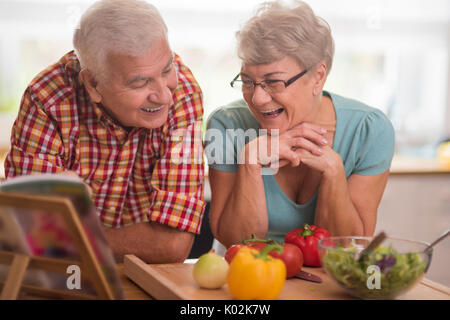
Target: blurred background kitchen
x: 393, y: 55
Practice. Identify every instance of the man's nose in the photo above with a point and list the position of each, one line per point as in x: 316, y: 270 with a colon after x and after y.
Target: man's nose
x: 260, y: 96
x: 161, y: 94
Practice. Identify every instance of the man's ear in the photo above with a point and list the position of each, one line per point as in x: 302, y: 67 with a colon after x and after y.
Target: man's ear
x: 90, y: 83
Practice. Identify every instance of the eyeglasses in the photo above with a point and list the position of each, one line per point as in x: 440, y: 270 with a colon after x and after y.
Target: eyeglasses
x: 270, y: 86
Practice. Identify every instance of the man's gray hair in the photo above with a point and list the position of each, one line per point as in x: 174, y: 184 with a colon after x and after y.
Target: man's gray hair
x: 278, y: 30
x: 128, y: 27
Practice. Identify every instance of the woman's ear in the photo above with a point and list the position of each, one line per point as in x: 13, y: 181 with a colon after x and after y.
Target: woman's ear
x: 90, y: 84
x: 319, y: 77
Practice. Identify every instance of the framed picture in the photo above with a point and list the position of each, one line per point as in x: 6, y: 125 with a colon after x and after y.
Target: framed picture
x: 51, y: 218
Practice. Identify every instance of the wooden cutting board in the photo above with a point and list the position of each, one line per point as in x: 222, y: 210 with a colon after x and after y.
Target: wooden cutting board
x: 174, y: 281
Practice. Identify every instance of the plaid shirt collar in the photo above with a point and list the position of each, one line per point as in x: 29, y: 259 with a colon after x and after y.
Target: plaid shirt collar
x: 72, y: 68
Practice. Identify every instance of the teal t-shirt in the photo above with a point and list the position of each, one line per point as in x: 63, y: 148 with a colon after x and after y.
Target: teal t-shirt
x: 364, y: 138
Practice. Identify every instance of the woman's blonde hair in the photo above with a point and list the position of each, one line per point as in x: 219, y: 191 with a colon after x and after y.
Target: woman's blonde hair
x: 127, y: 27
x: 278, y: 30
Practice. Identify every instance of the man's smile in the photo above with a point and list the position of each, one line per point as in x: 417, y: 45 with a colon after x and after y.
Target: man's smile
x: 152, y: 110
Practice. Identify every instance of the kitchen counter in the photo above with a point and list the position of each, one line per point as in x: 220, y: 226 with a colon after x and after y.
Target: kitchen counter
x: 410, y: 165
x: 141, y: 281
x: 175, y: 281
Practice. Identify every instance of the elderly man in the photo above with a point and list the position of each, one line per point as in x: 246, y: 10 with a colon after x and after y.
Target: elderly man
x: 123, y: 113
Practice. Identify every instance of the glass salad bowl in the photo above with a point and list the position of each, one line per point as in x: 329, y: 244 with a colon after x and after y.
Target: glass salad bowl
x: 393, y: 268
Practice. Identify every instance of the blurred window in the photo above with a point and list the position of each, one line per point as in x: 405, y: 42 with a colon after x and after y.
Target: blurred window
x: 393, y: 55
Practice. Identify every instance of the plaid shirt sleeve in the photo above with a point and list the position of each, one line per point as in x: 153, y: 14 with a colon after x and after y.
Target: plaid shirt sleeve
x: 36, y: 146
x: 177, y: 178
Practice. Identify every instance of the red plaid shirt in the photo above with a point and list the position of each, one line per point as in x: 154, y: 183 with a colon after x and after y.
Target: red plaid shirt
x: 137, y: 176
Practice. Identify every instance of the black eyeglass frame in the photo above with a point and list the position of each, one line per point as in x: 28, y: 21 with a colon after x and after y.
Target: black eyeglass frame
x: 261, y: 83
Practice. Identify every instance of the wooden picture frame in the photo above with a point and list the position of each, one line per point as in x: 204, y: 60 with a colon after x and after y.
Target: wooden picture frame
x: 19, y: 262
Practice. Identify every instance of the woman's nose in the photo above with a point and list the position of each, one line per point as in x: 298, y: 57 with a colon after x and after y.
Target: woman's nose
x: 260, y: 96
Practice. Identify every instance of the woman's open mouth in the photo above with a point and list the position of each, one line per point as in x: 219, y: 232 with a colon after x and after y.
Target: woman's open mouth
x: 272, y: 113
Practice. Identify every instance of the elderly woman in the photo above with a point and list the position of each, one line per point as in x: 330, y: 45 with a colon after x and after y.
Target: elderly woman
x: 333, y: 153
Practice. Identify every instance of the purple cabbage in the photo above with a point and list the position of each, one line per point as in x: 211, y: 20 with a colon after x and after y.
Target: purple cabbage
x: 386, y: 263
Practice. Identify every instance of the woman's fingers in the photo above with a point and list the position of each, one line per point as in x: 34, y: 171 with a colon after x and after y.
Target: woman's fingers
x: 308, y: 131
x: 279, y: 164
x: 306, y: 144
x: 286, y: 156
x: 288, y: 147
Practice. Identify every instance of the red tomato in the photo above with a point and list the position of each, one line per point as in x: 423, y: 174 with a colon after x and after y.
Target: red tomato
x: 231, y: 252
x: 256, y: 245
x: 292, y: 257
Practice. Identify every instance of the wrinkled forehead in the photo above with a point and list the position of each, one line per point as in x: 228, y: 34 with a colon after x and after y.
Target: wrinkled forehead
x: 150, y: 62
x: 284, y: 65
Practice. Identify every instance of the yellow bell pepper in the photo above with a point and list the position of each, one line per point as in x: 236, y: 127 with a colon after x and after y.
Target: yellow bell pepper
x: 255, y: 275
